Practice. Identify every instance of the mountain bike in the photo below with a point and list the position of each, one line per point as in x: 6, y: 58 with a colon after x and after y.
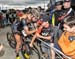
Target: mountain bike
x: 30, y: 53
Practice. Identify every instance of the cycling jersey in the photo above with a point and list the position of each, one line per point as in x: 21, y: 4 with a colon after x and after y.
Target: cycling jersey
x: 24, y: 24
x: 46, y: 32
x: 15, y: 26
x: 30, y: 25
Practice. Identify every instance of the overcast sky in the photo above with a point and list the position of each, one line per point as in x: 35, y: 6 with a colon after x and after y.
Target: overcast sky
x: 21, y: 2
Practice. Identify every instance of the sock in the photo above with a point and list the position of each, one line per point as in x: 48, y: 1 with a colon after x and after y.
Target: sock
x: 17, y: 54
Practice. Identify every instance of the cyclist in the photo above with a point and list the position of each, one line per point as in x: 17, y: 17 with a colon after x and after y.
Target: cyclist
x: 29, y: 27
x: 26, y: 25
x: 67, y: 40
x: 17, y: 35
x: 17, y: 26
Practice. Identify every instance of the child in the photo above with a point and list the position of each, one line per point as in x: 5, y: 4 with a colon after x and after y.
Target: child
x: 67, y: 40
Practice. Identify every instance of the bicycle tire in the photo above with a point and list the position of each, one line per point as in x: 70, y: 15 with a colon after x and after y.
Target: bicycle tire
x: 11, y: 40
x: 37, y: 50
x: 33, y: 52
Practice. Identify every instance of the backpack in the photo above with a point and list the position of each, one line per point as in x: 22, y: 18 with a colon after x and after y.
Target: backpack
x: 67, y: 44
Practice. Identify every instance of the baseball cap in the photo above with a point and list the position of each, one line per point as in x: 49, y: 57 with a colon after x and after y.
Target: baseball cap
x: 67, y: 0
x: 58, y: 3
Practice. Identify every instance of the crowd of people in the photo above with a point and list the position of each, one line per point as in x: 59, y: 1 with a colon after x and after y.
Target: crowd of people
x: 55, y: 26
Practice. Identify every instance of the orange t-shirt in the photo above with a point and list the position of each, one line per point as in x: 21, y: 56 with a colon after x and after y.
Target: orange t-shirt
x: 67, y: 46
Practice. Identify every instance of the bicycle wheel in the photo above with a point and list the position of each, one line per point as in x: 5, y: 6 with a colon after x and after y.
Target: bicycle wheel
x: 11, y: 40
x: 33, y: 52
x: 36, y: 53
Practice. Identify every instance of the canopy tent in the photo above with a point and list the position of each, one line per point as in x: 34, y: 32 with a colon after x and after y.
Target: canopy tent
x: 7, y: 4
x: 21, y: 4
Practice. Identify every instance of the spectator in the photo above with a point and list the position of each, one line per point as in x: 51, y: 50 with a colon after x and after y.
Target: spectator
x: 68, y: 11
x: 4, y: 19
x: 58, y: 12
x: 1, y: 20
x: 67, y: 40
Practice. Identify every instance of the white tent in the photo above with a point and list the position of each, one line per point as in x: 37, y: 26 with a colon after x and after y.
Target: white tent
x: 21, y: 4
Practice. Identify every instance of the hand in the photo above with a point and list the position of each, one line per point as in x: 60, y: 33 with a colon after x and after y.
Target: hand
x: 31, y: 45
x: 37, y: 35
x: 44, y: 23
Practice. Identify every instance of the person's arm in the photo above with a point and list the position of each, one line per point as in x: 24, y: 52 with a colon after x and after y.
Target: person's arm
x: 37, y: 35
x: 43, y: 37
x: 32, y: 41
x: 33, y: 31
x: 40, y: 28
x: 26, y: 29
x: 34, y: 37
x: 28, y: 32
